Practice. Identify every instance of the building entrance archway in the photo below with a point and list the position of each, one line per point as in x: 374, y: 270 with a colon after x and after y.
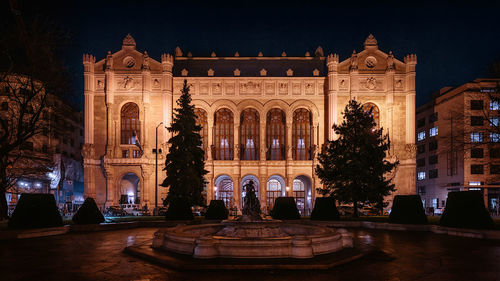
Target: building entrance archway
x: 275, y: 188
x: 130, y: 191
x: 302, y: 194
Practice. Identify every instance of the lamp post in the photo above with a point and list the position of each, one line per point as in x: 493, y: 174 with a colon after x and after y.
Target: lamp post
x: 156, y: 171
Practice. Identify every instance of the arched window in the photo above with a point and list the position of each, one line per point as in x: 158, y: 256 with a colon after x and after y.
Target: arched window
x: 130, y: 125
x: 367, y: 107
x: 224, y: 134
x: 249, y: 137
x: 225, y: 192
x: 201, y: 119
x: 274, y: 190
x: 275, y: 134
x: 301, y: 134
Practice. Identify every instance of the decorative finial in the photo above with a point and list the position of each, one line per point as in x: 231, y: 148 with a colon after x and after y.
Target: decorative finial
x: 128, y: 41
x: 307, y: 54
x: 260, y: 54
x: 319, y: 52
x: 189, y: 54
x: 236, y: 54
x: 370, y: 41
x: 283, y: 54
x: 178, y: 52
x: 213, y: 55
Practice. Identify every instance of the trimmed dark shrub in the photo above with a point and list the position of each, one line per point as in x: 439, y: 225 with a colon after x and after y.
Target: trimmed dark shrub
x: 35, y: 210
x: 179, y: 209
x: 88, y: 213
x: 465, y: 209
x: 407, y: 209
x: 325, y: 209
x: 217, y: 210
x: 285, y: 209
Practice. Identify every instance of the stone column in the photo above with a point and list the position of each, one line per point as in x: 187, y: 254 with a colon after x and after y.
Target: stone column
x: 167, y: 63
x: 109, y: 92
x: 210, y: 136
x: 262, y: 191
x: 89, y: 88
x: 148, y: 186
x: 236, y: 139
x: 262, y: 139
x: 111, y: 189
x: 332, y: 64
x: 289, y: 184
x: 289, y: 156
x: 237, y: 191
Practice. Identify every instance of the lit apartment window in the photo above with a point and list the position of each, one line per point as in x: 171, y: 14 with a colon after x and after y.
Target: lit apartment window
x: 494, y: 121
x: 494, y: 137
x: 476, y: 137
x: 433, y: 131
x: 494, y: 105
x: 475, y: 183
x: 421, y: 176
x: 421, y: 136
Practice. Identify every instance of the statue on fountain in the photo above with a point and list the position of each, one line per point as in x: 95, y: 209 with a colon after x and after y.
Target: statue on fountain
x: 251, y: 204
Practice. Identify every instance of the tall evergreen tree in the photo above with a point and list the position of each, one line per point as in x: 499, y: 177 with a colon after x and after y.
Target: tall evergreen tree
x: 353, y: 168
x: 185, y: 164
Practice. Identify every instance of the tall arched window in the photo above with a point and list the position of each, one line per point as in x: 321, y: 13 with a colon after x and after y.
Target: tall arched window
x: 374, y: 112
x: 249, y: 137
x: 275, y: 134
x: 130, y: 125
x: 224, y: 134
x: 301, y: 134
x: 201, y: 119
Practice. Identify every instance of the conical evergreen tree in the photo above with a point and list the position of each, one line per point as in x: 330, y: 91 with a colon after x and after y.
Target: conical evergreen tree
x: 185, y: 164
x: 353, y: 168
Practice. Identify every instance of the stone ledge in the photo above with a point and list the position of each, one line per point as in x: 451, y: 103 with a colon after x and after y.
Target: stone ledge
x: 33, y: 233
x: 184, y: 262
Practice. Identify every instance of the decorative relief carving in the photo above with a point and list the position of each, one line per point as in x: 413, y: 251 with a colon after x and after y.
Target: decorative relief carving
x: 289, y: 72
x: 237, y: 72
x: 371, y: 83
x: 250, y: 88
x: 129, y: 61
x: 128, y: 83
x: 410, y: 151
x: 270, y: 88
x: 370, y: 62
x: 296, y: 88
x: 343, y: 84
x: 399, y: 84
x: 156, y: 83
x: 230, y: 89
x: 216, y: 88
x: 100, y: 84
x: 203, y: 88
x: 283, y: 88
x: 88, y: 151
x: 184, y: 72
x: 309, y: 89
x: 315, y: 72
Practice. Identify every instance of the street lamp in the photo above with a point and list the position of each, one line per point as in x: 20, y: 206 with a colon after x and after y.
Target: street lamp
x: 156, y: 171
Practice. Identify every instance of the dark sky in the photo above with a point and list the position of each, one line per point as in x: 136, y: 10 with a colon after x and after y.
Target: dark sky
x: 455, y: 43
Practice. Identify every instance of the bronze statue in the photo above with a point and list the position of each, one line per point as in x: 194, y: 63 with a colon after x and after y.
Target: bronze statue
x: 251, y: 204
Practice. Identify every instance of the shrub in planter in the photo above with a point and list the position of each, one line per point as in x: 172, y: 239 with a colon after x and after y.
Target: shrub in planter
x: 88, y: 213
x: 325, y: 209
x: 216, y: 210
x: 36, y: 210
x: 285, y: 209
x: 465, y: 209
x: 179, y: 209
x: 407, y: 209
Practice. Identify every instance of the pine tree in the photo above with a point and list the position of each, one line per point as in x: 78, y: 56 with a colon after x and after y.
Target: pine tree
x: 353, y: 168
x: 185, y: 164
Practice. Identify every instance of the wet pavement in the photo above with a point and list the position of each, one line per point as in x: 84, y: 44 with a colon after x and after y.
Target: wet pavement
x: 99, y: 256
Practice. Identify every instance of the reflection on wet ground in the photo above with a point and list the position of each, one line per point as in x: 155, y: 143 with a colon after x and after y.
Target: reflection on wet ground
x: 99, y: 256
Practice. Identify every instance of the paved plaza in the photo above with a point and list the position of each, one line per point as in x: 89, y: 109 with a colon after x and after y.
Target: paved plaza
x: 99, y: 256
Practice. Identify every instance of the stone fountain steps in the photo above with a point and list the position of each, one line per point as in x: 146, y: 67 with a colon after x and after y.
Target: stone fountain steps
x: 184, y: 262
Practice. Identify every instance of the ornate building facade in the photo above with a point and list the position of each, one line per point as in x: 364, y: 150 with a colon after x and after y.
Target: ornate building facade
x: 264, y: 118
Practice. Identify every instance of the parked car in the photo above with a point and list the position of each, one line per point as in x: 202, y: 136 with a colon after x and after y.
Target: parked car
x: 114, y: 211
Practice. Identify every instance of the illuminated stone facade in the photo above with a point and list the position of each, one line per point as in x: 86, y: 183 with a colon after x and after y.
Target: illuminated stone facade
x: 264, y: 118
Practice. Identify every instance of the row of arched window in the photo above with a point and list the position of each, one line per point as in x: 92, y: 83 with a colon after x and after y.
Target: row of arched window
x: 249, y: 146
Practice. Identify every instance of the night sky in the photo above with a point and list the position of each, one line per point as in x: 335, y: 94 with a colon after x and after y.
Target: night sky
x: 454, y: 43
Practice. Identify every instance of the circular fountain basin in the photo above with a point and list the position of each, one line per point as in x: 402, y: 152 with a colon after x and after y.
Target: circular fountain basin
x: 255, y: 239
